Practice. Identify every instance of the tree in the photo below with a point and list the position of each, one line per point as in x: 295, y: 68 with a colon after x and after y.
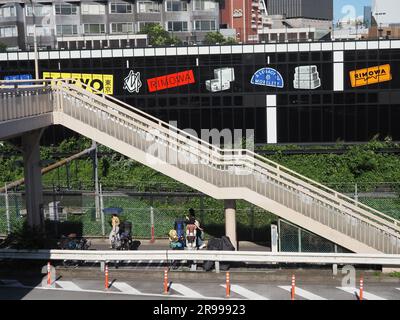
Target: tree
x: 216, y: 37
x: 3, y: 47
x: 158, y: 36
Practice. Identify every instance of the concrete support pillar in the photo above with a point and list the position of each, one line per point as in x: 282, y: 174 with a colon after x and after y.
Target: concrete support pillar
x: 33, y: 178
x: 230, y: 221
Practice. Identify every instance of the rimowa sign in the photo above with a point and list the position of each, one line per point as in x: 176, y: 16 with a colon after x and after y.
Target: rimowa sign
x: 171, y: 81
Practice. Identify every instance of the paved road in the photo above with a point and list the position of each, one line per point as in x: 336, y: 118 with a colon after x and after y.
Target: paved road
x: 75, y: 288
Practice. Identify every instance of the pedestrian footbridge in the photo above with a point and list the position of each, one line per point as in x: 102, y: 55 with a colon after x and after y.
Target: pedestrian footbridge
x: 219, y: 173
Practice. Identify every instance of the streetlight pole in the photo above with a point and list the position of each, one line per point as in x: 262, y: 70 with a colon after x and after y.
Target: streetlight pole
x: 35, y: 42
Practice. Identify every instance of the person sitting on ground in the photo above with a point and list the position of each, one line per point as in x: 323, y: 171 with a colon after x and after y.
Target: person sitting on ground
x: 115, y: 228
x: 174, y: 242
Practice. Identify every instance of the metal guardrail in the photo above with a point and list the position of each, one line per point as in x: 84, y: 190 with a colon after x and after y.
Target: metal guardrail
x: 217, y: 256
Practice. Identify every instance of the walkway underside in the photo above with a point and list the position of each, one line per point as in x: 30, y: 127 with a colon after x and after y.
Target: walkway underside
x: 221, y: 174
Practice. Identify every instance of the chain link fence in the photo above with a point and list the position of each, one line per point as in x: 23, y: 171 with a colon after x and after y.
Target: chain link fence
x: 294, y: 239
x: 76, y: 212
x: 68, y: 211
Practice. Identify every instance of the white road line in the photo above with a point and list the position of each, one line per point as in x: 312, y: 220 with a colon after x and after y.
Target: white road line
x: 68, y: 285
x: 125, y: 288
x: 245, y: 292
x: 113, y: 292
x: 303, y: 293
x: 366, y: 295
x: 12, y: 283
x: 187, y: 292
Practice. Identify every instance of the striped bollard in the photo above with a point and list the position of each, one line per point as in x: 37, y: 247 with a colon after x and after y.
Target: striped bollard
x: 293, y: 291
x: 361, y: 288
x: 228, y: 285
x: 166, y: 281
x: 106, y: 283
x: 48, y: 274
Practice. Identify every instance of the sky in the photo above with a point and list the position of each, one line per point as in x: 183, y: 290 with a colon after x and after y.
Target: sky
x: 352, y: 8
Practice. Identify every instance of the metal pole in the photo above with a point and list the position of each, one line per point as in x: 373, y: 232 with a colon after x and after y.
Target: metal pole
x: 103, y: 228
x: 152, y: 224
x: 7, y: 211
x: 356, y: 192
x: 96, y: 179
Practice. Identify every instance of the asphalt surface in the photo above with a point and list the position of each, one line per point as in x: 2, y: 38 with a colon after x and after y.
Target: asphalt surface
x: 273, y: 285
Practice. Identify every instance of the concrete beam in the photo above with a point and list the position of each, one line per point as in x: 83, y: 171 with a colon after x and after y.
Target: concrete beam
x: 33, y: 178
x: 230, y: 221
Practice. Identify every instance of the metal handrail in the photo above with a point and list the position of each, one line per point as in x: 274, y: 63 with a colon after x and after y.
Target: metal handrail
x: 213, y: 156
x: 242, y: 158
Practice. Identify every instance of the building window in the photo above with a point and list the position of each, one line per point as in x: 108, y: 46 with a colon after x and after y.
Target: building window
x: 94, y: 28
x: 176, y: 6
x: 204, y: 5
x: 205, y: 25
x: 40, y: 31
x: 7, y: 12
x: 121, y: 27
x: 177, y: 26
x: 67, y: 30
x: 66, y: 9
x: 120, y: 8
x: 142, y: 25
x: 93, y: 9
x: 8, y: 31
x: 148, y: 7
x: 38, y: 11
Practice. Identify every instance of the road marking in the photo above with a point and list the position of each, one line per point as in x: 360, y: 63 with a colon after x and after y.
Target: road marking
x: 125, y: 288
x: 12, y: 283
x: 113, y: 292
x: 303, y: 293
x: 245, y: 292
x: 366, y: 295
x: 187, y: 292
x: 68, y: 285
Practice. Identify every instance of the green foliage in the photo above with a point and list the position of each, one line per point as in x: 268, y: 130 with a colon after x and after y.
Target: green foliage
x: 3, y: 47
x: 215, y: 37
x: 158, y: 36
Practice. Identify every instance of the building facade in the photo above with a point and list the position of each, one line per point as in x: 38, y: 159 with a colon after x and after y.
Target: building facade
x: 101, y: 24
x: 246, y: 17
x: 318, y: 92
x: 385, y: 12
x: 311, y: 9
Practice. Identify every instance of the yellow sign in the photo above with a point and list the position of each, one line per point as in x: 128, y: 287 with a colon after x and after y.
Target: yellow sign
x: 364, y: 77
x: 101, y: 82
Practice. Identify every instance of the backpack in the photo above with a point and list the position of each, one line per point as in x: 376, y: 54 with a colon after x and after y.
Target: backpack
x: 179, y: 226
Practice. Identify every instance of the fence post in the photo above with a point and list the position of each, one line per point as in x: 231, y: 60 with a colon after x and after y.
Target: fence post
x: 152, y: 224
x: 103, y: 227
x: 356, y: 192
x: 7, y: 210
x: 252, y: 222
